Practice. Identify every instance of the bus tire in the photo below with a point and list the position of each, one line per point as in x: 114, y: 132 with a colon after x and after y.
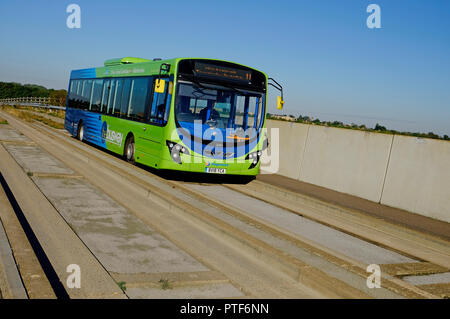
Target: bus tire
x: 80, y: 131
x: 129, y: 151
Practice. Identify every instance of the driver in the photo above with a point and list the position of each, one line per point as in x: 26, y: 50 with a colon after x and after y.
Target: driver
x: 209, y: 113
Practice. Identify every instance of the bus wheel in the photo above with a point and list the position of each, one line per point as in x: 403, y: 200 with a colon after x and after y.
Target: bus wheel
x: 80, y: 133
x: 129, y: 150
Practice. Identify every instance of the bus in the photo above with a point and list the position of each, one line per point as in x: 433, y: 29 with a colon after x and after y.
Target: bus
x: 186, y: 114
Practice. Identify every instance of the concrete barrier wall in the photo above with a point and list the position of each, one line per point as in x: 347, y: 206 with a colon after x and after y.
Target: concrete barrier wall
x: 418, y: 177
x: 400, y: 171
x: 348, y: 161
x: 292, y: 140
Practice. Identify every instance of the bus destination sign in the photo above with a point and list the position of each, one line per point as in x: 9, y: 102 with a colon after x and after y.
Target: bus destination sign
x: 221, y: 72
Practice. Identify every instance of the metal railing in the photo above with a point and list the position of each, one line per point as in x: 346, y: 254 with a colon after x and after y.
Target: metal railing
x: 43, y: 102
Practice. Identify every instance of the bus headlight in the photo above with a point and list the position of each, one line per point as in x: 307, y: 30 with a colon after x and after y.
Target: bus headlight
x: 175, y: 150
x: 254, y: 157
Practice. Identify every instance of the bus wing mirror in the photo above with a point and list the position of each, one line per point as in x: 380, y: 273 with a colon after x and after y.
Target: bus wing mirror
x: 280, y: 102
x: 160, y: 86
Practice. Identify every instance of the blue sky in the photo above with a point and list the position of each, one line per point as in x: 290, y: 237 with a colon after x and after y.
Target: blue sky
x: 331, y: 65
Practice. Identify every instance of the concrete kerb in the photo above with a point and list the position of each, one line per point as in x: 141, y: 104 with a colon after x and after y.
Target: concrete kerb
x: 11, y: 284
x: 370, y: 229
x: 62, y: 245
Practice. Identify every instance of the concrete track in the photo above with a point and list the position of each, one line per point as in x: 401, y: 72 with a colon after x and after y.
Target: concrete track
x: 244, y: 241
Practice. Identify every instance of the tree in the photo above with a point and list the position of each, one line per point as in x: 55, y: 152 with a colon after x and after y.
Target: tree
x: 337, y: 124
x: 432, y: 135
x: 15, y: 90
x: 378, y: 127
x: 58, y: 96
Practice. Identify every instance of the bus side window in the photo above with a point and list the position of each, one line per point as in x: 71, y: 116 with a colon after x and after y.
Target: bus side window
x: 86, y: 94
x: 125, y: 100
x: 112, y: 97
x: 118, y: 97
x: 78, y: 94
x: 105, y: 96
x: 96, y: 96
x: 73, y: 93
x: 158, y: 104
x: 139, y: 99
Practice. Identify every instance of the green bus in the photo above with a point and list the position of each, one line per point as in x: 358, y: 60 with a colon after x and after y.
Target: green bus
x: 189, y: 114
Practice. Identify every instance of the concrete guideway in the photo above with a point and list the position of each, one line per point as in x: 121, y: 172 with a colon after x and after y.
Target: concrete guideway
x: 434, y: 250
x: 56, y: 237
x: 212, y: 252
x: 310, y: 278
x: 130, y: 251
x: 285, y: 187
x: 33, y: 160
x: 122, y: 244
x: 304, y: 276
x: 28, y: 266
x: 410, y: 242
x: 347, y: 245
x: 166, y: 186
x: 330, y: 259
x: 146, y: 179
x: 376, y: 230
x: 291, y: 256
x: 11, y: 286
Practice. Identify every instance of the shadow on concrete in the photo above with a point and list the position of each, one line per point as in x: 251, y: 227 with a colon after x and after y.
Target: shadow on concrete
x: 191, y: 177
x: 183, y: 176
x: 44, y: 261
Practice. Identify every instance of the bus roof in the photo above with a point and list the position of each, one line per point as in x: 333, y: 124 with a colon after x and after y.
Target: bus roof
x: 132, y: 66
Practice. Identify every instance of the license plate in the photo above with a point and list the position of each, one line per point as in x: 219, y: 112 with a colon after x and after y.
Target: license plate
x: 215, y: 170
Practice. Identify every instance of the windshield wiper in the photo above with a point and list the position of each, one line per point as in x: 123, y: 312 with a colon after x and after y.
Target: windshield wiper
x: 234, y: 89
x: 195, y: 81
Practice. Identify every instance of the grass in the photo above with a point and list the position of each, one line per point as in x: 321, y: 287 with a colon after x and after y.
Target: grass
x: 122, y: 285
x: 3, y: 121
x: 55, y: 113
x: 23, y: 114
x: 165, y: 284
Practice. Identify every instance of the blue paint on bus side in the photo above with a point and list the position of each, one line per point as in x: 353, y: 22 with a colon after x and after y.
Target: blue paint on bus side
x: 92, y: 122
x: 70, y: 121
x: 93, y: 128
x: 83, y: 74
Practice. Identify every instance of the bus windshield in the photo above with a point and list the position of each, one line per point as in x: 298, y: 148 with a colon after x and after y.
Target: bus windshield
x: 219, y: 106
